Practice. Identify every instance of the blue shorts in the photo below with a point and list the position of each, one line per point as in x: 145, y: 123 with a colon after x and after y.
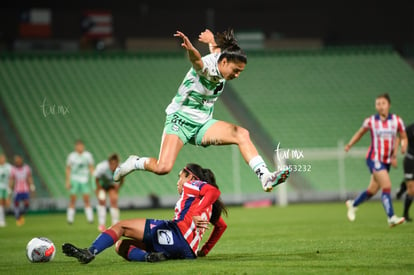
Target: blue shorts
x: 375, y: 166
x: 21, y: 197
x: 165, y: 236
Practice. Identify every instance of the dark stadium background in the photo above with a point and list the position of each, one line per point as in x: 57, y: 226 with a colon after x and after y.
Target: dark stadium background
x: 334, y: 22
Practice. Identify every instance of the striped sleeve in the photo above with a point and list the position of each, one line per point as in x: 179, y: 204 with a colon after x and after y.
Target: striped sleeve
x: 367, y: 123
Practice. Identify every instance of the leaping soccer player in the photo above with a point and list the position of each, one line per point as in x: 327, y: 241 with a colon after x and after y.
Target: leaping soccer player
x: 190, y: 114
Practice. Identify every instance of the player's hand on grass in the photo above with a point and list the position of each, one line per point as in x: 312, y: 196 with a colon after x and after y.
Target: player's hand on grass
x: 201, y: 253
x: 200, y: 222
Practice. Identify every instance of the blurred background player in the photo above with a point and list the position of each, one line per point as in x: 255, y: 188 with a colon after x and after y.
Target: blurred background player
x: 5, y: 171
x: 157, y: 240
x: 408, y: 183
x: 21, y: 182
x: 384, y: 128
x: 190, y: 113
x: 105, y: 184
x: 79, y: 170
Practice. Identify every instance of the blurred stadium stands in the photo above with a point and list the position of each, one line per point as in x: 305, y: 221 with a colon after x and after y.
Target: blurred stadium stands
x: 115, y: 102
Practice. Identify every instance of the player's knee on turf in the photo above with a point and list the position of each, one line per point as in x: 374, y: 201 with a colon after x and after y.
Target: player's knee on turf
x: 122, y: 248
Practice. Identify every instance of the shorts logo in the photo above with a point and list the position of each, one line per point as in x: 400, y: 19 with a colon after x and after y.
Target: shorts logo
x: 377, y: 165
x: 165, y: 237
x: 175, y: 128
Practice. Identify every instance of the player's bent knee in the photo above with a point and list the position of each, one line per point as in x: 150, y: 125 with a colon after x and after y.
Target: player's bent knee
x: 163, y: 169
x: 122, y: 248
x: 242, y: 134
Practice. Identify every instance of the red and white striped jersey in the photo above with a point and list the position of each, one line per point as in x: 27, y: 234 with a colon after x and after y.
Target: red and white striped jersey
x: 196, y: 199
x: 383, y: 135
x: 20, y: 176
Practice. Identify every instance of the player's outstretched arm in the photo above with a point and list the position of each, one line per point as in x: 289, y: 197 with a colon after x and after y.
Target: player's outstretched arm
x: 193, y: 54
x: 356, y: 137
x: 207, y: 37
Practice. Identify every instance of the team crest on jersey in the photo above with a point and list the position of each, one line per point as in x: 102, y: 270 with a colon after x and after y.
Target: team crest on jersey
x: 165, y: 237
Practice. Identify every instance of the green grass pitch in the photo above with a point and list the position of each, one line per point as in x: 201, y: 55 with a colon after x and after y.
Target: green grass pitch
x: 298, y: 239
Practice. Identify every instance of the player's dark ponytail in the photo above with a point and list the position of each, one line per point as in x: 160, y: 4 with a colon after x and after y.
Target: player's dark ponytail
x: 208, y: 176
x: 229, y: 47
x: 218, y: 205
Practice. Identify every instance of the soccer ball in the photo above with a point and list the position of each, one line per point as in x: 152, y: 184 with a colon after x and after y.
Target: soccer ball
x: 40, y: 249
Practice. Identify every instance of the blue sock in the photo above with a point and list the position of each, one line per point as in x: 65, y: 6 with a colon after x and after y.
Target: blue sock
x: 103, y: 241
x: 365, y: 195
x: 387, y: 203
x: 136, y: 254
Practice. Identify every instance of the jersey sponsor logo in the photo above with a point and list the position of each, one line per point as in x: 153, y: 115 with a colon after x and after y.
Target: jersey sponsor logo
x: 165, y: 237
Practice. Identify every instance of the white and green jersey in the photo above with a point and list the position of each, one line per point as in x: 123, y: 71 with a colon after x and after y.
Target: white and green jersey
x: 104, y: 174
x: 79, y: 166
x: 199, y: 91
x: 5, y: 171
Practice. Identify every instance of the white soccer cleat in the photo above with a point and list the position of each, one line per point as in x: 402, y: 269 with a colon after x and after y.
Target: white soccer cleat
x: 125, y: 168
x: 394, y: 220
x: 267, y: 183
x: 271, y: 180
x: 351, y: 210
